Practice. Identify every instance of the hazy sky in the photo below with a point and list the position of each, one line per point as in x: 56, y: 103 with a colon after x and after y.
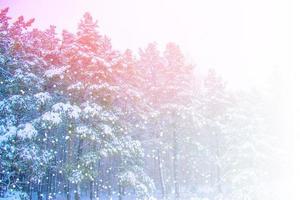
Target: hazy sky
x: 243, y: 40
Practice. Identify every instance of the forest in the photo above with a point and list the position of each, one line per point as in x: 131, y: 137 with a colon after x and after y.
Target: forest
x: 82, y: 120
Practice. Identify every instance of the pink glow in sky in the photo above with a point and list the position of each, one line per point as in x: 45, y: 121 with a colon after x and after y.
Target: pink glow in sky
x: 248, y: 38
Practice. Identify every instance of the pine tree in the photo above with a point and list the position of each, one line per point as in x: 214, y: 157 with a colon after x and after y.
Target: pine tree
x: 22, y: 160
x: 93, y: 84
x: 168, y: 80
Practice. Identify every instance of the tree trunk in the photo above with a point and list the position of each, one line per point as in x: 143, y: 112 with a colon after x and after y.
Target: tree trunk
x: 39, y: 193
x: 91, y: 190
x: 175, y: 165
x: 67, y: 159
x: 110, y: 196
x: 120, y: 193
x: 97, y: 187
x: 77, y: 193
x: 92, y: 182
x: 218, y: 170
x: 49, y: 184
x: 30, y: 191
x: 161, y: 175
x: 68, y: 191
x: 79, y: 152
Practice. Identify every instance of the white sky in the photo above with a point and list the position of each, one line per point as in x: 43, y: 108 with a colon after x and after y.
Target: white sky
x: 242, y: 39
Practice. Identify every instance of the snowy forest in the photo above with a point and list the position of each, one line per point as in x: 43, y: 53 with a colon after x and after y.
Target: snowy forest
x: 82, y: 120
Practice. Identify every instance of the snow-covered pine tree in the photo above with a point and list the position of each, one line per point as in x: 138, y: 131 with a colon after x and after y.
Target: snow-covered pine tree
x: 150, y: 66
x: 177, y: 104
x: 248, y: 149
x: 23, y: 161
x: 91, y: 85
x: 234, y: 143
x: 133, y: 105
x: 167, y: 87
x: 214, y: 102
